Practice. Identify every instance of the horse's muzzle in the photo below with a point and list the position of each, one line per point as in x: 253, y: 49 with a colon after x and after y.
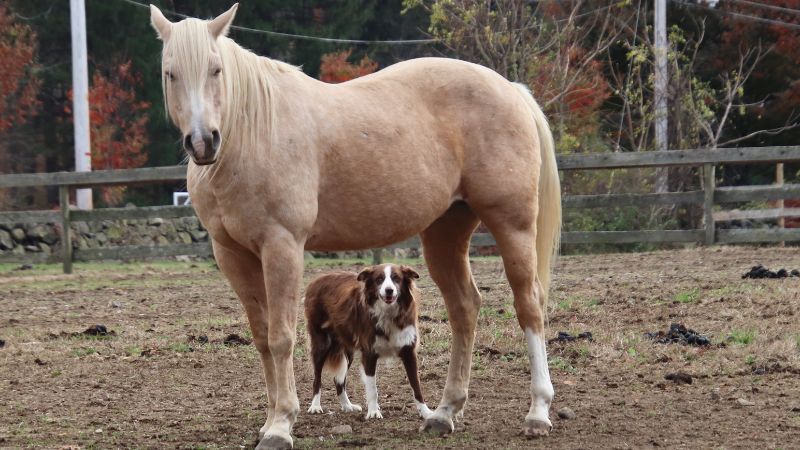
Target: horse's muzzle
x: 202, y: 147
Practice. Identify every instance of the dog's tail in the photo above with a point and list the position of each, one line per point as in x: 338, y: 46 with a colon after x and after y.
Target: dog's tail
x: 548, y: 221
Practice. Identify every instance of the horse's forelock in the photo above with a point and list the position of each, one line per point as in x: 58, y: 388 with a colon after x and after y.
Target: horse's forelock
x: 247, y: 78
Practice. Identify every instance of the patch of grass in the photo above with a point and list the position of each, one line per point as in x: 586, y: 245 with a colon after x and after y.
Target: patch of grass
x: 557, y: 362
x: 750, y: 360
x: 742, y: 337
x: 502, y: 313
x: 83, y: 351
x: 55, y: 373
x: 180, y: 347
x: 90, y: 337
x: 592, y: 302
x: 687, y: 296
x: 564, y: 305
x: 437, y: 346
x: 797, y: 341
x: 133, y: 350
x: 583, y: 352
x: 99, y: 281
x: 477, y: 363
x: 219, y: 322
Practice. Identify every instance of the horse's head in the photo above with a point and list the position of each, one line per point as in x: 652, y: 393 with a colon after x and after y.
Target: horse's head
x: 193, y: 80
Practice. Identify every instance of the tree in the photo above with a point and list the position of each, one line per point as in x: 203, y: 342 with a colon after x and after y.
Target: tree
x: 336, y: 69
x: 118, y: 123
x: 18, y: 82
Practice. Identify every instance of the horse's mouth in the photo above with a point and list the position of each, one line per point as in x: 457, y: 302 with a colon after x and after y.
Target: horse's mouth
x: 204, y: 162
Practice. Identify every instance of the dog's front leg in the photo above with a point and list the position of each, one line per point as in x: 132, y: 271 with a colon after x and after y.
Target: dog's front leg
x: 408, y: 355
x: 369, y: 364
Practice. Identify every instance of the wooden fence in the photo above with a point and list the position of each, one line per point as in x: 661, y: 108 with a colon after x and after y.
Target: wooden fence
x: 708, y: 197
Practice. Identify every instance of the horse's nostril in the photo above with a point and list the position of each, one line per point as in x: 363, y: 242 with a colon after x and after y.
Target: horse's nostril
x: 187, y: 143
x: 215, y: 139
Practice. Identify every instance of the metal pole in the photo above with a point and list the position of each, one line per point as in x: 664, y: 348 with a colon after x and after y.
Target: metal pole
x: 661, y: 77
x: 80, y: 98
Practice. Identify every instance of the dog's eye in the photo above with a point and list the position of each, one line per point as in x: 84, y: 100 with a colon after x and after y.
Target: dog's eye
x: 380, y: 278
x: 395, y: 278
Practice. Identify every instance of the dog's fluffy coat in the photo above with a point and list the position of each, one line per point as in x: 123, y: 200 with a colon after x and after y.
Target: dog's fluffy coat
x: 373, y: 313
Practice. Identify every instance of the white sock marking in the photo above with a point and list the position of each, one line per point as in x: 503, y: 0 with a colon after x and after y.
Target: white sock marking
x: 316, y: 407
x: 541, y: 386
x: 423, y: 409
x: 371, y: 390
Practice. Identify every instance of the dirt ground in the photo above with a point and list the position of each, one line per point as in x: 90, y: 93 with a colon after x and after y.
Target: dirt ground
x: 155, y: 384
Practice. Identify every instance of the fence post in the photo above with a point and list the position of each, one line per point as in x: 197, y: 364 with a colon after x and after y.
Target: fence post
x: 779, y: 182
x: 377, y: 256
x: 708, y: 202
x: 66, y: 237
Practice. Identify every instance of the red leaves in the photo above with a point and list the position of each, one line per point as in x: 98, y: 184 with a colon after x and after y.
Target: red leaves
x: 19, y: 85
x: 118, y: 123
x: 336, y: 69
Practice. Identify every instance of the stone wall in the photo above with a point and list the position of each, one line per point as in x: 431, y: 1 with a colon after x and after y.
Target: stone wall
x: 45, y: 238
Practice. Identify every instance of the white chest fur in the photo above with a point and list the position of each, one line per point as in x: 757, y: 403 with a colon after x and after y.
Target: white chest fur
x: 395, y: 338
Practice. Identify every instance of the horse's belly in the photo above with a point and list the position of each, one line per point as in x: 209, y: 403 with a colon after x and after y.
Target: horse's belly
x: 380, y: 226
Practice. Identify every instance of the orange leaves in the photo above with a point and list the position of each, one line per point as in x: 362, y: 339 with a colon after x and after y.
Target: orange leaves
x: 336, y: 69
x: 118, y: 123
x: 19, y: 85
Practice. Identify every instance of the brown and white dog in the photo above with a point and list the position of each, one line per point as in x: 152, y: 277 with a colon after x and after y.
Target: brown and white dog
x: 374, y: 314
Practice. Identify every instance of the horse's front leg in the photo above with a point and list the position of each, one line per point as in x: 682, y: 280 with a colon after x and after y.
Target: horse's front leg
x: 282, y: 264
x: 243, y: 270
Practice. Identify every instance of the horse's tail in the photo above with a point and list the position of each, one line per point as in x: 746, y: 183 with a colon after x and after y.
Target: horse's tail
x: 548, y: 221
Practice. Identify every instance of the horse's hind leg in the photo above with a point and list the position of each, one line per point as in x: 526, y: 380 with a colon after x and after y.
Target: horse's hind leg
x: 515, y: 234
x: 244, y: 272
x: 446, y: 247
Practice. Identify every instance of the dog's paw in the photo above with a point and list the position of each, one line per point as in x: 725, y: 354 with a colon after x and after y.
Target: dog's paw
x: 352, y: 407
x: 374, y: 414
x: 315, y: 409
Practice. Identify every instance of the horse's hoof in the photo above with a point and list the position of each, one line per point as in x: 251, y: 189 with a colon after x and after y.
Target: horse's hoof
x: 274, y: 442
x: 535, y: 428
x: 437, y: 425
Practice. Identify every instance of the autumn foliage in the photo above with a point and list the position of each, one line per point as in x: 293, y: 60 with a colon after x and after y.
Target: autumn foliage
x: 19, y: 85
x: 336, y: 69
x: 118, y: 123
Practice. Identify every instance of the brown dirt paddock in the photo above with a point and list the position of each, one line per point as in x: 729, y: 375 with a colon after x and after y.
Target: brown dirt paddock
x: 152, y: 386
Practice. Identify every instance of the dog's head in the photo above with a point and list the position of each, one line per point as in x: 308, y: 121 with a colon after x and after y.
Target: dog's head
x: 388, y: 283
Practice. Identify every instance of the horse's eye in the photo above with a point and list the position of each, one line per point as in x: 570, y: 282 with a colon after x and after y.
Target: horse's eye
x: 217, y: 72
x: 170, y: 76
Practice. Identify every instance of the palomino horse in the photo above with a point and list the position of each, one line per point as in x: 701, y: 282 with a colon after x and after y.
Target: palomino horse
x: 281, y: 162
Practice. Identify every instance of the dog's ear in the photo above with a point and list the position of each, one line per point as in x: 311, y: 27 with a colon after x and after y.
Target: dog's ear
x: 365, y: 274
x: 410, y: 273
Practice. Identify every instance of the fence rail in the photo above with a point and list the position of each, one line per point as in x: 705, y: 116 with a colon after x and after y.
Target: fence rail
x: 708, y: 197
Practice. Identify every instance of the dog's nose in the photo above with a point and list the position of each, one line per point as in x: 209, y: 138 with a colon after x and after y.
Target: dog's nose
x: 389, y: 291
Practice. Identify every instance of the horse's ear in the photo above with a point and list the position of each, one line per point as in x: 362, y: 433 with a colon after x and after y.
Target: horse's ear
x: 220, y: 25
x: 162, y: 25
